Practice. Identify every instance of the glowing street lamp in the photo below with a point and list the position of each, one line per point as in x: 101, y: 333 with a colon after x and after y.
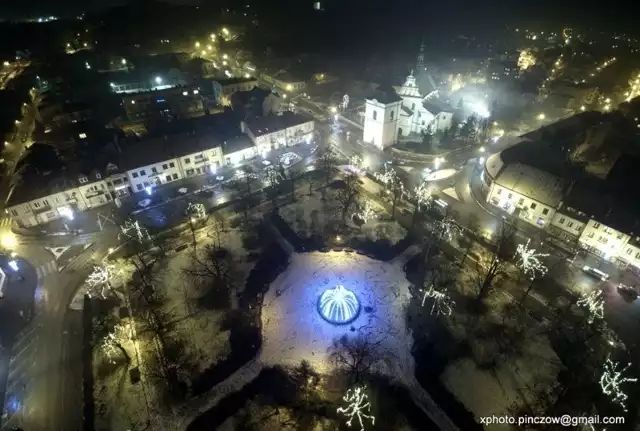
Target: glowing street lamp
x: 8, y: 241
x: 541, y: 116
x: 289, y: 87
x: 212, y: 36
x: 197, y: 44
x: 333, y: 109
x: 225, y: 31
x: 158, y: 80
x: 438, y: 161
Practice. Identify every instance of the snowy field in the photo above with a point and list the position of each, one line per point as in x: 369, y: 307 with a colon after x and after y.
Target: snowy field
x: 120, y: 404
x: 310, y: 215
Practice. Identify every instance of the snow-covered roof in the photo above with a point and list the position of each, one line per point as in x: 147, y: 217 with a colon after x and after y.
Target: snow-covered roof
x: 532, y: 183
x: 494, y: 165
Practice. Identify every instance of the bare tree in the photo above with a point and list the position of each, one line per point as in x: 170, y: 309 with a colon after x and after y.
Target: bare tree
x: 347, y: 194
x: 356, y: 355
x: 328, y: 166
x: 215, y: 270
x: 491, y: 265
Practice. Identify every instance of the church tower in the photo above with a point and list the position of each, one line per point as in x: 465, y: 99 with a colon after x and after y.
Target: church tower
x: 420, y: 60
x: 382, y: 110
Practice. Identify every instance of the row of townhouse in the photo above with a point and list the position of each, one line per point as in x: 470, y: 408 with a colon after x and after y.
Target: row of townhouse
x: 581, y: 215
x: 137, y: 168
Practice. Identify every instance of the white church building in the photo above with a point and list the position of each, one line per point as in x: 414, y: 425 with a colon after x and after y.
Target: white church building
x: 403, y: 111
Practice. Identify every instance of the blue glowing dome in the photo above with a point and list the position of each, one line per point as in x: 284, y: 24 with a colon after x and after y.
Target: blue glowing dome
x: 338, y: 305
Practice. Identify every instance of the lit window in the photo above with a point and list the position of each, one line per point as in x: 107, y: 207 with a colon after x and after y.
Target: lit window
x: 82, y: 136
x: 596, y: 225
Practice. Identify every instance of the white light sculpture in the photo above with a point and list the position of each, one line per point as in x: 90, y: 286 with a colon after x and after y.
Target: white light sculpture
x: 594, y: 303
x: 529, y: 261
x: 358, y: 406
x: 442, y: 302
x: 338, y: 305
x: 366, y: 212
x: 101, y: 276
x: 611, y: 382
x: 387, y: 177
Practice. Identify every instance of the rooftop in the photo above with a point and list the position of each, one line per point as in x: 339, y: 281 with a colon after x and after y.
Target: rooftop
x: 272, y: 123
x: 236, y: 144
x: 384, y: 95
x: 533, y: 183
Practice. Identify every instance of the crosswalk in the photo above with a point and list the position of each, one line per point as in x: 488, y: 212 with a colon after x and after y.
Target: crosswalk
x: 47, y: 268
x: 5, y: 222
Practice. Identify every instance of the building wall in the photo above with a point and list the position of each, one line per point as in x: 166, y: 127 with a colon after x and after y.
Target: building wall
x: 201, y: 162
x: 95, y: 194
x: 529, y: 210
x: 381, y: 123
x: 630, y: 254
x: 239, y: 157
x: 299, y: 133
x: 155, y: 174
x: 602, y: 240
x: 118, y: 185
x: 442, y: 121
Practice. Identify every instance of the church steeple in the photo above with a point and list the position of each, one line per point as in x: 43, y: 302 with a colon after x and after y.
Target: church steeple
x: 420, y: 59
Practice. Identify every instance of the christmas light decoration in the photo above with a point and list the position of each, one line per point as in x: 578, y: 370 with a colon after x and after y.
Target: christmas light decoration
x: 442, y: 302
x: 358, y: 406
x: 100, y: 277
x: 272, y: 176
x: 529, y: 261
x: 366, y: 212
x: 338, y: 305
x: 594, y: 303
x: 355, y: 162
x: 612, y: 380
x: 112, y: 340
x: 423, y: 195
x: 197, y: 211
x: 388, y: 177
x: 526, y: 60
x: 447, y: 228
x: 132, y: 229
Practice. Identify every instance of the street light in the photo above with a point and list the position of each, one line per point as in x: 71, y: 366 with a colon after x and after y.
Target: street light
x: 438, y: 161
x: 213, y: 36
x: 123, y: 61
x: 197, y: 44
x: 289, y: 87
x: 333, y: 109
x: 541, y: 116
x: 158, y: 80
x: 8, y: 241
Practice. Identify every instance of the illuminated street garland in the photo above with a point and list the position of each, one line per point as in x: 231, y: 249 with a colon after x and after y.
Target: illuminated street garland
x: 612, y: 380
x: 358, y: 406
x: 529, y: 261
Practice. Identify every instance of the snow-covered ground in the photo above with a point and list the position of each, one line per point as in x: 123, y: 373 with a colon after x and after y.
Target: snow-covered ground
x: 309, y: 214
x: 293, y: 330
x: 122, y: 405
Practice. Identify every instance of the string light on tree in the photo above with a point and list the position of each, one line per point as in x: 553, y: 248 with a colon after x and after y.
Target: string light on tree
x: 355, y: 161
x: 387, y: 177
x: 447, y: 229
x: 358, y: 407
x: 366, y: 212
x: 423, y: 195
x: 594, y: 303
x: 101, y: 277
x: 442, y: 302
x: 612, y: 380
x: 529, y: 261
x: 197, y: 211
x: 132, y: 229
x: 112, y: 341
x: 526, y: 60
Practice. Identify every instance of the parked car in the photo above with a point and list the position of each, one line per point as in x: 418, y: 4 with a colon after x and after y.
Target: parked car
x: 628, y: 291
x: 595, y: 272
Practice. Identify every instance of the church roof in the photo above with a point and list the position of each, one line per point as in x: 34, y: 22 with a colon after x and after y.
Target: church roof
x: 408, y: 112
x: 410, y: 88
x: 384, y: 95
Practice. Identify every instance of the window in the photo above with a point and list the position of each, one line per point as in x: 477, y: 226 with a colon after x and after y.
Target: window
x: 82, y: 136
x: 36, y: 205
x: 413, y: 106
x: 628, y: 251
x: 98, y: 176
x: 175, y: 177
x: 143, y: 172
x: 125, y: 179
x: 499, y: 192
x: 168, y: 178
x: 520, y: 201
x: 590, y: 235
x: 607, y: 230
x: 187, y: 160
x: 596, y: 225
x: 577, y: 227
x: 154, y: 170
x: 83, y: 180
x: 139, y: 187
x: 509, y: 196
x: 561, y: 221
x: 109, y: 184
x: 189, y: 172
x: 638, y: 255
x: 165, y: 166
x: 545, y: 211
x: 173, y: 165
x: 135, y: 175
x: 375, y: 115
x: 533, y: 205
x: 146, y: 184
x: 14, y: 213
x: 619, y: 236
x: 391, y: 116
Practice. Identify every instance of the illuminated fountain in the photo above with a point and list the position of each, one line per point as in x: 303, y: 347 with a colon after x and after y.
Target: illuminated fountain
x: 338, y: 305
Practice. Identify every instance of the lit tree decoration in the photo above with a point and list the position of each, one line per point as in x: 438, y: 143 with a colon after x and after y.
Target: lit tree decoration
x: 358, y: 406
x: 272, y: 176
x: 447, y: 228
x: 132, y: 230
x: 366, y: 212
x: 442, y: 302
x: 423, y: 195
x: 594, y: 303
x: 356, y: 161
x: 526, y: 60
x: 345, y: 102
x: 388, y: 177
x: 529, y: 261
x: 611, y: 382
x: 101, y: 277
x: 197, y: 211
x: 111, y: 342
